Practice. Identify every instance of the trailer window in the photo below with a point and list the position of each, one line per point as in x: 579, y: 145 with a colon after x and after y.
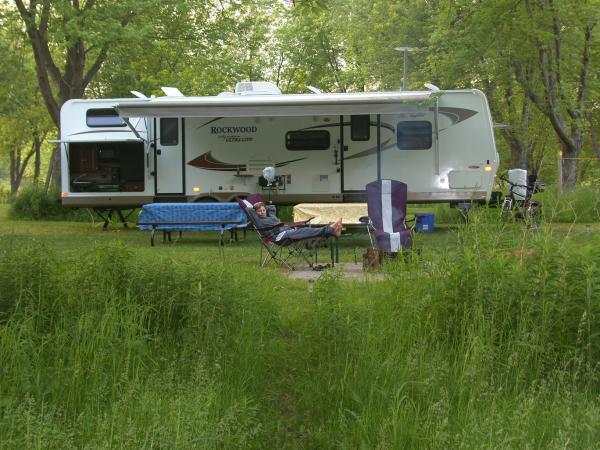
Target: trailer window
x: 360, y: 127
x: 169, y: 131
x: 414, y: 135
x: 105, y: 117
x: 307, y: 140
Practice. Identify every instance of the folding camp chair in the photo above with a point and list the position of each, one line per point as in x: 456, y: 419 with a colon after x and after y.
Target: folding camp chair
x: 284, y: 251
x: 386, y: 204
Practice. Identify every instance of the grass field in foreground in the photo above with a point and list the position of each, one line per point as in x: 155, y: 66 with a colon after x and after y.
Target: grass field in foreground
x: 106, y: 342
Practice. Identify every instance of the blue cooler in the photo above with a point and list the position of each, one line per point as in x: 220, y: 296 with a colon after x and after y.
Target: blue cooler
x: 424, y: 223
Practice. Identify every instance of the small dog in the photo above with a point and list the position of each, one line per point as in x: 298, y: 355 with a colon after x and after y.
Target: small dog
x: 372, y: 259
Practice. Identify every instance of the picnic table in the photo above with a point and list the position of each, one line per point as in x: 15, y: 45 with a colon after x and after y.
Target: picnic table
x: 169, y: 217
x: 324, y: 213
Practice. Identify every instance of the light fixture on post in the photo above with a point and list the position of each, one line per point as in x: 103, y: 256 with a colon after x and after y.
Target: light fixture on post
x: 404, y: 50
x: 269, y: 176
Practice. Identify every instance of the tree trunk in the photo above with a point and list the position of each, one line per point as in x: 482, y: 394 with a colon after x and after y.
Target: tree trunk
x: 53, y: 174
x: 18, y: 166
x: 13, y: 173
x: 569, y: 173
x: 37, y: 161
x: 519, y: 154
x: 48, y: 174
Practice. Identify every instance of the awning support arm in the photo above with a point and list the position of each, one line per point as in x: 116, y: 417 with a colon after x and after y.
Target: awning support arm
x: 132, y: 128
x: 437, y: 136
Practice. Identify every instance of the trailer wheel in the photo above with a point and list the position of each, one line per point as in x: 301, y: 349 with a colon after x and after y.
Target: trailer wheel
x: 495, y: 199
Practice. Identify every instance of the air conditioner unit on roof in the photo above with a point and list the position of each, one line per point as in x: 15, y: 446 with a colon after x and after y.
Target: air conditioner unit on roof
x: 256, y: 88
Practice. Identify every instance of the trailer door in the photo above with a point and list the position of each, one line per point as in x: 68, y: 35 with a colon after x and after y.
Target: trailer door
x: 169, y: 157
x: 358, y: 136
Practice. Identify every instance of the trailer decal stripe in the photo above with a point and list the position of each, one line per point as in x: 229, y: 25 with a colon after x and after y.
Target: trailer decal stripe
x: 208, y: 123
x: 347, y: 124
x: 285, y: 163
x: 455, y: 115
x: 208, y: 162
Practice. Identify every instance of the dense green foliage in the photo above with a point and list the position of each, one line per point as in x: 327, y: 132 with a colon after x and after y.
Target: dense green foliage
x: 470, y: 345
x: 535, y: 60
x: 34, y: 202
x: 4, y: 194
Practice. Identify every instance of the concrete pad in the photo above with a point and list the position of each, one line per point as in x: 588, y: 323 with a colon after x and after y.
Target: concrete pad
x: 348, y: 271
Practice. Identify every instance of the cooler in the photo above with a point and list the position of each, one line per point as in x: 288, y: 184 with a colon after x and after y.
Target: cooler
x: 425, y: 222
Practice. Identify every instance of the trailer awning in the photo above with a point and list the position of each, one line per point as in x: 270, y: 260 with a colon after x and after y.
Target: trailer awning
x: 272, y: 105
x: 86, y: 141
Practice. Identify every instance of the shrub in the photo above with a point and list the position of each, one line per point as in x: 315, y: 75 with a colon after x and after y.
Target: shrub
x: 35, y: 203
x: 444, y: 213
x: 579, y: 205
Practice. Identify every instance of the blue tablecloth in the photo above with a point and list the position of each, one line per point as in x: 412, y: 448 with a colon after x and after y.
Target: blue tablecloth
x: 192, y: 212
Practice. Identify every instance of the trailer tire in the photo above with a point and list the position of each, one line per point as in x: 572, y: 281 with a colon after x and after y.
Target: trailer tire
x: 495, y: 199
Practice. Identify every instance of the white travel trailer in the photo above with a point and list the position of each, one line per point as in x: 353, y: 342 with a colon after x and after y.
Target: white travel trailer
x: 325, y: 147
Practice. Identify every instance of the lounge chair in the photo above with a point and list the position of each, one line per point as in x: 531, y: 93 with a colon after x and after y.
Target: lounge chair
x: 285, y: 251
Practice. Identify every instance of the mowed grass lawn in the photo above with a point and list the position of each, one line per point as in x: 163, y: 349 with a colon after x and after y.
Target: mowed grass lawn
x: 75, y: 236
x: 65, y: 236
x: 490, y: 338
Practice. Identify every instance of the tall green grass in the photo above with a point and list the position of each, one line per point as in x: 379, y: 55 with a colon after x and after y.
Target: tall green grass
x: 579, y: 205
x: 477, y: 345
x: 103, y: 350
x: 474, y: 348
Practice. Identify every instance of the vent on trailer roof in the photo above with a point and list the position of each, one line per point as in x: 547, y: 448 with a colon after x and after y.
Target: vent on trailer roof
x: 256, y: 88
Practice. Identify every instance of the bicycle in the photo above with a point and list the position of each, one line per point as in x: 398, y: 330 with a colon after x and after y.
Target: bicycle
x: 520, y: 205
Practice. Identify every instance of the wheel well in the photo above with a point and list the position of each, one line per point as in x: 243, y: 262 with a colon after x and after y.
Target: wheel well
x: 206, y: 199
x: 495, y: 199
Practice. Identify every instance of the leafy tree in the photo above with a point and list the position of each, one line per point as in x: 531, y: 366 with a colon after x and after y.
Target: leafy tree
x: 200, y: 47
x: 558, y: 81
x: 348, y: 45
x: 22, y: 148
x: 309, y: 51
x: 71, y: 40
x: 532, y: 58
x: 24, y: 122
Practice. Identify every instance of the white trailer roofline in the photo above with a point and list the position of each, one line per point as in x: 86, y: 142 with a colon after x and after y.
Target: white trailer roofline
x: 271, y: 105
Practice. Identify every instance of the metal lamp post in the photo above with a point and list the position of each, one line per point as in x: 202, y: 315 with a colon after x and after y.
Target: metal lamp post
x: 404, y: 50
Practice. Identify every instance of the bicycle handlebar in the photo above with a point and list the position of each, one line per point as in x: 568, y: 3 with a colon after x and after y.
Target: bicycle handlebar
x: 503, y: 178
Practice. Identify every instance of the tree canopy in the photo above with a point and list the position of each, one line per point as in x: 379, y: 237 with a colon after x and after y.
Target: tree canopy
x: 535, y: 60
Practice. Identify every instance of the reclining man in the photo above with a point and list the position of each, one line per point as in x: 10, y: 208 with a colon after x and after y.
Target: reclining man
x: 276, y: 231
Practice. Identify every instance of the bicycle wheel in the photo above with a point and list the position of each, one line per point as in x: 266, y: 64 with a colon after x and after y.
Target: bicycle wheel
x: 534, y: 215
x: 506, y: 208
